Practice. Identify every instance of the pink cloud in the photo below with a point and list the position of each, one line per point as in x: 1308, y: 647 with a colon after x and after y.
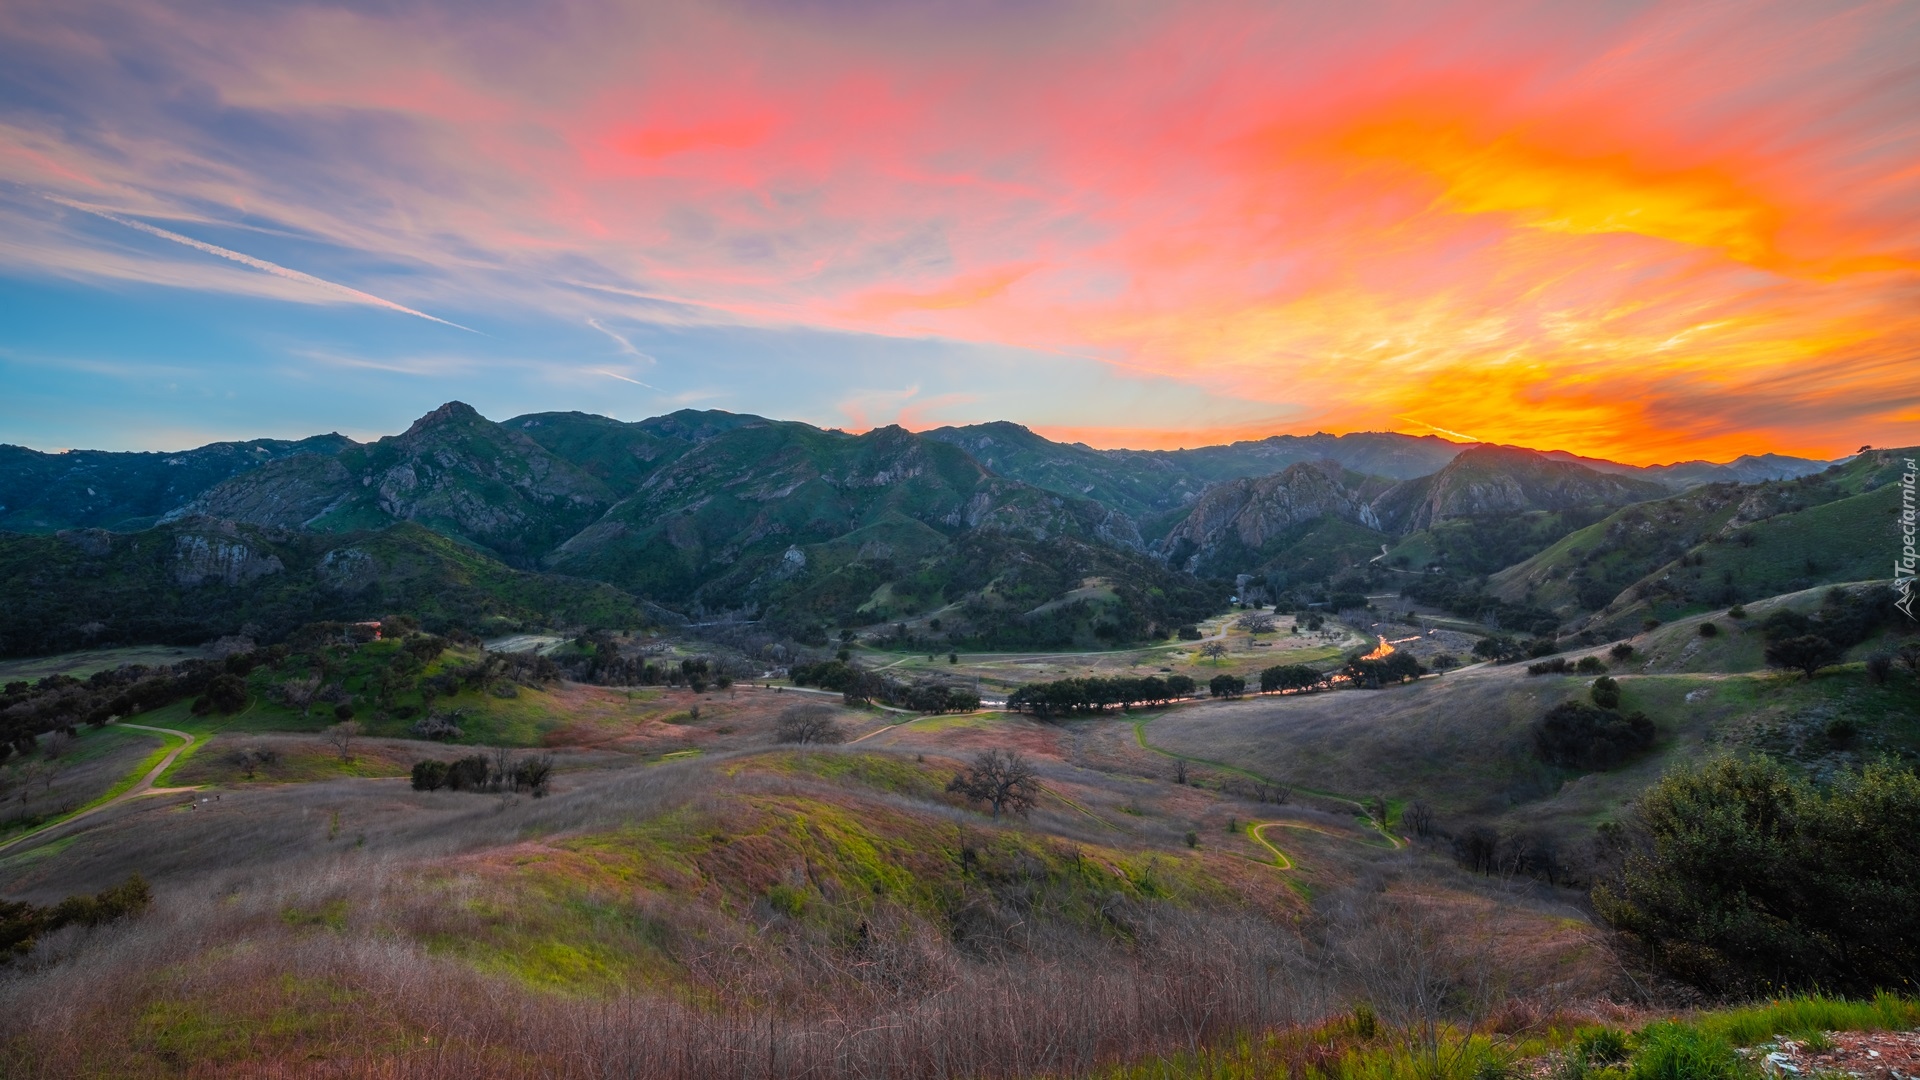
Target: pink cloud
x: 1535, y: 222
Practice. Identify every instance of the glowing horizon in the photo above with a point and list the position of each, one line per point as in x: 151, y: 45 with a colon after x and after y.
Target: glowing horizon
x: 1645, y: 232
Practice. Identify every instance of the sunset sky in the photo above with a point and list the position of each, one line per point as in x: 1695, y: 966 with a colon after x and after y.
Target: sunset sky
x: 1649, y: 231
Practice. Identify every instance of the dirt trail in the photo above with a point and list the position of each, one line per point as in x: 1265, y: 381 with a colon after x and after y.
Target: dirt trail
x: 144, y: 786
x: 1140, y: 736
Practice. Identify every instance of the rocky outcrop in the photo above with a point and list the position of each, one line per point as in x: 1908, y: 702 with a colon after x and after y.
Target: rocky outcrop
x: 1252, y: 512
x: 291, y: 493
x: 1503, y: 479
x: 201, y: 558
x: 348, y: 570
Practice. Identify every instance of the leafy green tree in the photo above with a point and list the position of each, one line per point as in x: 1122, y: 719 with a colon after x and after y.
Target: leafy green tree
x: 1224, y: 685
x: 1807, y: 653
x: 1739, y: 878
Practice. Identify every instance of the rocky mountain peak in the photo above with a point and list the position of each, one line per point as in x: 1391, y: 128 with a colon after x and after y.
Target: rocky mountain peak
x: 450, y: 413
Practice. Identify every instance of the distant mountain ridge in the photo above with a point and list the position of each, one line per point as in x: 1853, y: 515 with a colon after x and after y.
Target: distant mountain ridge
x: 42, y: 492
x: 86, y: 489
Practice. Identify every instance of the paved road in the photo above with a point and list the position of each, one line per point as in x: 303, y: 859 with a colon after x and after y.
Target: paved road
x: 143, y: 787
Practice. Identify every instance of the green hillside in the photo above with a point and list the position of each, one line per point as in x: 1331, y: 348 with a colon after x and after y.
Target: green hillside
x: 1720, y: 544
x: 190, y: 581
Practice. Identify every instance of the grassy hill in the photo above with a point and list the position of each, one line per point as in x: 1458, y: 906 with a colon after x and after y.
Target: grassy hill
x: 1718, y: 545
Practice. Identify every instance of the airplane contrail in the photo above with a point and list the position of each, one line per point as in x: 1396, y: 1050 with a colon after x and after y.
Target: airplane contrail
x: 258, y: 264
x: 623, y: 378
x: 1441, y: 430
x: 625, y: 345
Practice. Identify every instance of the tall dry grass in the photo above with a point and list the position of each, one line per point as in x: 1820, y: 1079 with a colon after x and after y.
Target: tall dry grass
x: 279, y: 955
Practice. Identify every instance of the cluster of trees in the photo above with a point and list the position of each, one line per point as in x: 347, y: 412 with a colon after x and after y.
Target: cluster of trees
x: 925, y: 696
x: 835, y: 674
x: 1559, y: 665
x: 1469, y: 602
x: 479, y: 773
x: 61, y: 703
x: 860, y: 687
x: 1578, y: 735
x: 1064, y: 697
x: 1291, y: 677
x: 1390, y: 670
x: 1807, y: 643
x: 603, y: 665
x: 1743, y: 879
x: 1228, y: 686
x: 1592, y: 734
x: 22, y: 924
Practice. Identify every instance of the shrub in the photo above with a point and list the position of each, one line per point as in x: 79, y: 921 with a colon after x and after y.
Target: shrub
x: 1879, y: 667
x: 1740, y: 878
x: 429, y: 775
x: 1621, y: 650
x: 21, y: 924
x: 1708, y: 630
x: 470, y: 773
x: 787, y: 900
x: 1605, y: 692
x: 1590, y: 665
x: 1736, y: 612
x: 1188, y: 633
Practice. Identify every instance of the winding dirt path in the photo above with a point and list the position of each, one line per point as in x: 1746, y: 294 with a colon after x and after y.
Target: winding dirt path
x: 1394, y: 843
x: 144, y: 786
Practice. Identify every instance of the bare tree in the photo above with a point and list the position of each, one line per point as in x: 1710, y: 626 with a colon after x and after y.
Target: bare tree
x: 1213, y: 650
x: 808, y: 724
x: 1909, y: 654
x: 1419, y: 818
x: 1179, y: 771
x: 301, y: 693
x: 57, y: 744
x: 1001, y: 778
x: 341, y: 735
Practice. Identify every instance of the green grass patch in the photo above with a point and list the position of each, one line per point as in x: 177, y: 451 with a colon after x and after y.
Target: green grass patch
x: 1807, y: 1014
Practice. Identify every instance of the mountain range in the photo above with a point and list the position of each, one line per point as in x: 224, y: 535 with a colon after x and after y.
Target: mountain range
x: 989, y: 533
